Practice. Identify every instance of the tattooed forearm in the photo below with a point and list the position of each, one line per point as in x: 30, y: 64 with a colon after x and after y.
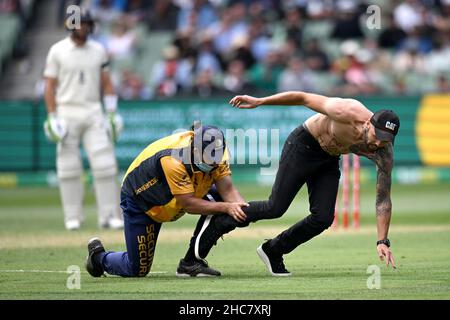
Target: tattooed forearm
x: 383, y: 202
x: 384, y: 161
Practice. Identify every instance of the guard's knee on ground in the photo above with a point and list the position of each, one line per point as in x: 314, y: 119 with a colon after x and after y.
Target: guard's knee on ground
x: 139, y: 271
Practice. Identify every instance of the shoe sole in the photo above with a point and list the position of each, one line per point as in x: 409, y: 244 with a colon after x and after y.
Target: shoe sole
x: 93, y: 239
x: 186, y: 275
x: 87, y: 258
x: 265, y: 259
x: 197, y: 241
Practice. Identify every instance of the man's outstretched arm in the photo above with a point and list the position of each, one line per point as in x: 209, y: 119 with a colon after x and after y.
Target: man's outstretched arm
x: 336, y: 108
x: 384, y: 159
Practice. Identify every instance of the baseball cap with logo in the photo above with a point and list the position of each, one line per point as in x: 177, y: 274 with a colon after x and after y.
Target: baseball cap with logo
x: 386, y: 124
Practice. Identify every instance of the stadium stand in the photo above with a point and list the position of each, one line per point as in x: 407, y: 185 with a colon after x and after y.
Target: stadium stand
x: 409, y: 53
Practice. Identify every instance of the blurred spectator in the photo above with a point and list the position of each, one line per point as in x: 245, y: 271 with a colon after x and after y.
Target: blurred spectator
x: 259, y: 37
x: 12, y: 7
x: 132, y: 87
x: 163, y: 16
x: 348, y: 50
x: 358, y: 75
x: 319, y: 9
x: 288, y: 49
x: 392, y: 35
x: 240, y: 50
x: 231, y: 26
x: 172, y: 75
x: 264, y: 75
x: 440, y: 19
x: 207, y: 58
x: 418, y: 39
x: 409, y: 15
x: 204, y: 86
x: 294, y: 25
x: 378, y: 66
x: 257, y: 10
x: 442, y: 84
x: 138, y: 9
x: 120, y: 43
x: 409, y: 60
x: 353, y: 68
x: 400, y: 87
x: 346, y: 24
x: 204, y: 11
x: 184, y: 42
x: 439, y: 59
x: 234, y: 80
x: 295, y: 77
x: 106, y: 11
x: 315, y: 57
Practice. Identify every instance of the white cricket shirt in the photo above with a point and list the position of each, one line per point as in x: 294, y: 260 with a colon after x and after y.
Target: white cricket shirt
x: 78, y: 72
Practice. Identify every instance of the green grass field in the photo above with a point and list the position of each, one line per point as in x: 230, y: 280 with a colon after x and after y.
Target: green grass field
x: 35, y: 252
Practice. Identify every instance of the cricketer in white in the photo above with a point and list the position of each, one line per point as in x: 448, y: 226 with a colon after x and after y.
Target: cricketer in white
x: 76, y: 76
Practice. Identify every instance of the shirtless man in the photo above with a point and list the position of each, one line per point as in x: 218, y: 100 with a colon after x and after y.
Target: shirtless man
x: 311, y: 155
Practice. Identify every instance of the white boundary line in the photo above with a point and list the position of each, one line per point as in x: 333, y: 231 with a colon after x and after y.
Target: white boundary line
x: 57, y: 271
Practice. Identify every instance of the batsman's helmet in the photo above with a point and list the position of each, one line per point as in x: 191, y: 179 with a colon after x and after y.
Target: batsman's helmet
x: 84, y: 17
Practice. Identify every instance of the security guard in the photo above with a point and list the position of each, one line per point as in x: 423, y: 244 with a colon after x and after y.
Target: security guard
x: 184, y: 172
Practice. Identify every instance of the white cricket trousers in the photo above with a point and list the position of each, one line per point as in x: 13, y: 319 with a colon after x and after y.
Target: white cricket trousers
x: 87, y: 128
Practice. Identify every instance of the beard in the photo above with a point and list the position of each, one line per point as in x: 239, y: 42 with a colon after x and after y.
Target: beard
x: 82, y: 36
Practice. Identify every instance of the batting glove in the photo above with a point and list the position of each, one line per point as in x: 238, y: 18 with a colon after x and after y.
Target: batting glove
x: 55, y: 128
x: 114, y: 125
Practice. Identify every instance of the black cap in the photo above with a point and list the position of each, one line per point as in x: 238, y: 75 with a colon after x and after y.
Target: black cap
x: 386, y: 124
x: 211, y: 139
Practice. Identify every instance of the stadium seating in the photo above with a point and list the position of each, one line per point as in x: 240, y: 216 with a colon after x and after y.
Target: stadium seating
x: 10, y: 27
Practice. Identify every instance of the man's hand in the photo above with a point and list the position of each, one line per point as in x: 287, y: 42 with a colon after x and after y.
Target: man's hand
x: 245, y: 102
x: 55, y: 128
x: 385, y: 254
x: 235, y: 211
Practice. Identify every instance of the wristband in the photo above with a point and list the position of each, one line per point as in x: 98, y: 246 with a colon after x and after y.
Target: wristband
x: 110, y: 102
x: 386, y: 242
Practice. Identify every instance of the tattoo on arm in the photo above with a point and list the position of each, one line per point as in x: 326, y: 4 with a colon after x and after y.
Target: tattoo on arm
x: 384, y: 159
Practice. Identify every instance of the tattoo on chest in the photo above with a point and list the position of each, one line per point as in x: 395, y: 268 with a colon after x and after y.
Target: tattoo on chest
x: 333, y: 146
x: 362, y: 149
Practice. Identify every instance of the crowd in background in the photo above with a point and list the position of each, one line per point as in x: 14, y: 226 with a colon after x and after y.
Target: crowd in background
x: 223, y: 47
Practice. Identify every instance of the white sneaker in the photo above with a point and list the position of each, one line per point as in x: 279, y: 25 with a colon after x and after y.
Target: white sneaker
x: 113, y: 223
x: 72, y: 225
x: 116, y: 223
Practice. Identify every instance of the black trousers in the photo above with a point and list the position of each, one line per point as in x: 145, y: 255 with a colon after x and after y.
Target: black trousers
x: 302, y: 161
